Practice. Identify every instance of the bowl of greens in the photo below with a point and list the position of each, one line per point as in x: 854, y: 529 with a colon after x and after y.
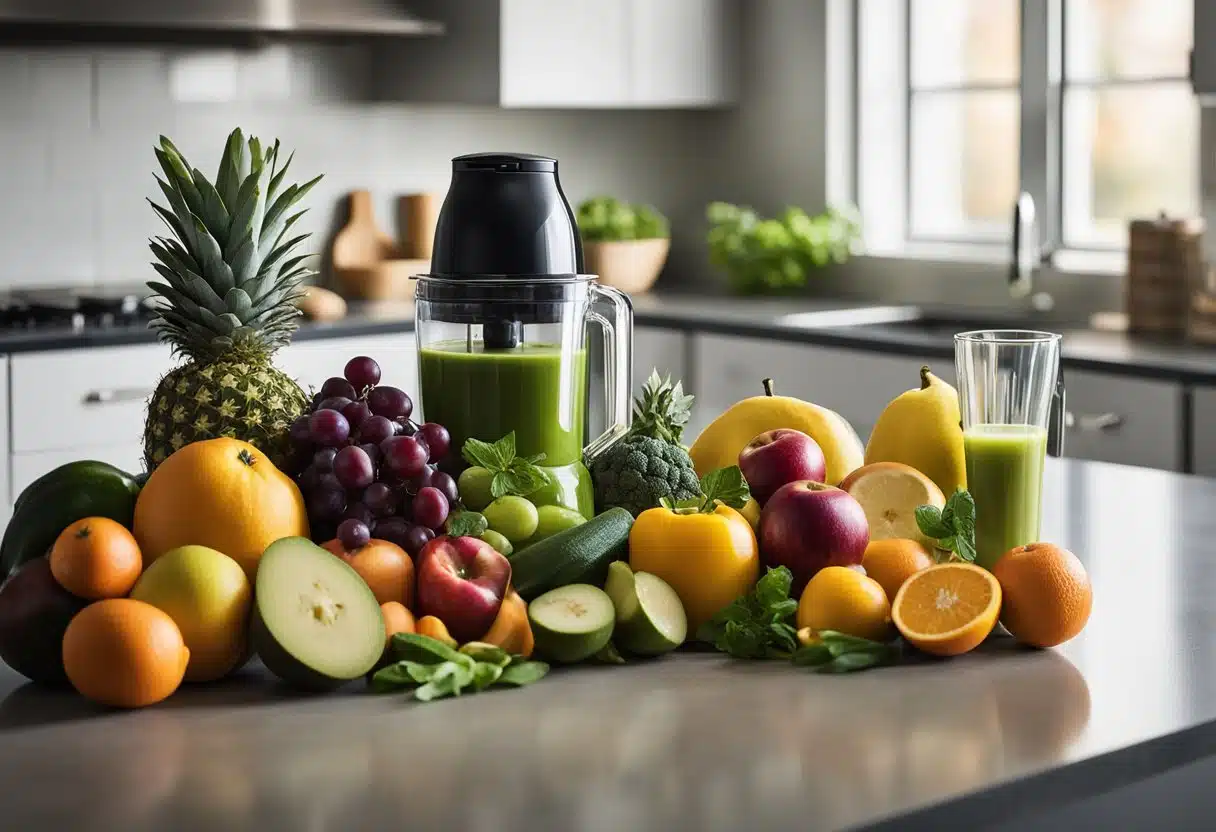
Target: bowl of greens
x: 626, y: 244
x: 777, y: 254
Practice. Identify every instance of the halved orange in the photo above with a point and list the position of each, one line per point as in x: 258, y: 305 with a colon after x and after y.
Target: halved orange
x: 947, y: 609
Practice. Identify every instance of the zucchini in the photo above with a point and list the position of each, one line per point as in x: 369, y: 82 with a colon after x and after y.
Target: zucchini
x: 577, y: 555
x: 56, y: 500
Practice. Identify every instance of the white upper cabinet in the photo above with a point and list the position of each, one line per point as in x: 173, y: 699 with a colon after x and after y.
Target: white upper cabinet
x: 574, y: 53
x: 570, y: 54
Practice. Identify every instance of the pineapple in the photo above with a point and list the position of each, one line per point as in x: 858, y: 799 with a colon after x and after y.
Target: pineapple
x: 228, y: 301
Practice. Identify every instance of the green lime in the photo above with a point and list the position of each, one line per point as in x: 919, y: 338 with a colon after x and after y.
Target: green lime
x: 513, y: 517
x: 474, y: 487
x: 499, y: 542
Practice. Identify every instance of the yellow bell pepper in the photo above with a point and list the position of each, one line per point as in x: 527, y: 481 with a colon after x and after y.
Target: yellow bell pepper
x: 709, y: 558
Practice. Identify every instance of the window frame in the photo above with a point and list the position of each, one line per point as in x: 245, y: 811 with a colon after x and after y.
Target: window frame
x: 1040, y: 87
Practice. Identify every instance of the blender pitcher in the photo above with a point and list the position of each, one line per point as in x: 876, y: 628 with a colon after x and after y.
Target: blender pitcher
x: 501, y: 323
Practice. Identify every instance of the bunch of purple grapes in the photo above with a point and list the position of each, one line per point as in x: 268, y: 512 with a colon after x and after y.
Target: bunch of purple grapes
x: 366, y: 469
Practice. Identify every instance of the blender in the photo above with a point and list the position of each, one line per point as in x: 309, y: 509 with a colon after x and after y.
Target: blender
x: 501, y: 323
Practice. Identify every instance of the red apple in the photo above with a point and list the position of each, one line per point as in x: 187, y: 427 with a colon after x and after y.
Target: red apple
x: 777, y: 457
x: 807, y: 525
x: 462, y: 581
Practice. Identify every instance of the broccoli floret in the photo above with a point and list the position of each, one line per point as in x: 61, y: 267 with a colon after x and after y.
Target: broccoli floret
x: 638, y: 470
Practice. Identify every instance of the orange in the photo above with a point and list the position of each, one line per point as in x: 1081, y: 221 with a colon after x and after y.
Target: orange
x: 511, y: 630
x: 1047, y: 594
x: 432, y: 627
x: 220, y: 493
x: 894, y: 560
x: 397, y: 619
x: 947, y: 609
x: 385, y: 567
x: 847, y: 601
x: 95, y: 558
x: 124, y: 653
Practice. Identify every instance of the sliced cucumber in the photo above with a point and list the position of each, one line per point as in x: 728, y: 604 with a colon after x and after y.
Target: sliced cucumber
x: 571, y: 623
x: 620, y: 588
x: 658, y: 623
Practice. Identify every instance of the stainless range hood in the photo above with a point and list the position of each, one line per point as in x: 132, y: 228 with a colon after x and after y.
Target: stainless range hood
x: 23, y: 20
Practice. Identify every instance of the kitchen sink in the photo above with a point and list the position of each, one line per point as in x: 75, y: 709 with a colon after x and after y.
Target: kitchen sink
x: 933, y: 324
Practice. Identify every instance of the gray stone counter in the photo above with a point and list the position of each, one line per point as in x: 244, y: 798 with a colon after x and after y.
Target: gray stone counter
x: 693, y: 741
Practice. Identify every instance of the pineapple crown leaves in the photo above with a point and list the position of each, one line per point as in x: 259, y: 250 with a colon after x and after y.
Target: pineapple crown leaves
x: 229, y: 276
x: 662, y: 410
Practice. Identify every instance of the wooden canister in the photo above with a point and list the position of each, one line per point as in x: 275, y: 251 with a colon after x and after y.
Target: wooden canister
x: 1164, y: 269
x: 421, y: 213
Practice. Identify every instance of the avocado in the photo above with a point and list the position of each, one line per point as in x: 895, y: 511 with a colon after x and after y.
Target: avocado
x: 34, y: 613
x: 316, y: 624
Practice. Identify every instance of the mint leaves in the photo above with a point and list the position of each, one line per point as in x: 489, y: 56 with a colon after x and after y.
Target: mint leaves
x: 725, y: 485
x: 518, y: 475
x: 759, y: 625
x: 843, y: 653
x: 434, y: 671
x: 466, y: 524
x: 953, y: 527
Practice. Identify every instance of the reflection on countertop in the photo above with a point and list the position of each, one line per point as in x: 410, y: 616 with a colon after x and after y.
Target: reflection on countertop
x: 694, y: 740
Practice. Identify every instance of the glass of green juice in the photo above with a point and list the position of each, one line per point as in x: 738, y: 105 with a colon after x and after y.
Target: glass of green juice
x: 1006, y: 379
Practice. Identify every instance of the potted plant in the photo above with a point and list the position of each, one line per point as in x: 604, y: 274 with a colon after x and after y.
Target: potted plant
x: 776, y: 255
x: 625, y: 244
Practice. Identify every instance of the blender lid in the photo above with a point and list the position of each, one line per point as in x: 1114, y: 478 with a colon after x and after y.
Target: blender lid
x: 505, y: 217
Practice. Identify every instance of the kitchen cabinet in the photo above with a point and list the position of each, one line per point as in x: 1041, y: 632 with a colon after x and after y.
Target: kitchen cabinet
x: 1124, y: 420
x: 655, y: 348
x: 573, y: 54
x: 80, y: 404
x: 1203, y: 431
x: 856, y: 384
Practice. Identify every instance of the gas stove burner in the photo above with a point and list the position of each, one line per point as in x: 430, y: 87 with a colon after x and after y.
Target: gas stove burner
x: 77, y: 309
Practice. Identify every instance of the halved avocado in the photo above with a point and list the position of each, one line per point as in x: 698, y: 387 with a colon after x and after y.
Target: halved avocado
x: 316, y: 624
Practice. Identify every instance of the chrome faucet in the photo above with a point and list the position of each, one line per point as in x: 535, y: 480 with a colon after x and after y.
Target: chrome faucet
x: 1028, y: 255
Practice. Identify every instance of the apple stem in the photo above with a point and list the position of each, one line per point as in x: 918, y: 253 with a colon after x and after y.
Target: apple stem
x: 924, y: 377
x: 768, y: 386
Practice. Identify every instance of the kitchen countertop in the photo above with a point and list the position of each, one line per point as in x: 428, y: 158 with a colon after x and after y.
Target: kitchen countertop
x: 692, y: 740
x: 821, y: 321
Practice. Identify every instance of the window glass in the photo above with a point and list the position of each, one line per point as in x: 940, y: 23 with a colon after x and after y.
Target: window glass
x: 1114, y: 39
x: 964, y: 42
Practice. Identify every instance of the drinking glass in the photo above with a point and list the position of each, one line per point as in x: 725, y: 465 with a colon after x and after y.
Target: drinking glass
x: 1006, y: 379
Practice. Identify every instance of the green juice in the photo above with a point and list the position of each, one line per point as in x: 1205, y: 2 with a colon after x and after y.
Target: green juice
x: 1005, y: 477
x: 529, y: 389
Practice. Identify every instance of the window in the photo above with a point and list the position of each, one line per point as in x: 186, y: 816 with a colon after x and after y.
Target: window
x: 962, y: 104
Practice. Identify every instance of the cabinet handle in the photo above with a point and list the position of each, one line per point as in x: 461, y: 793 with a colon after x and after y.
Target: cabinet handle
x: 94, y: 398
x: 1102, y: 422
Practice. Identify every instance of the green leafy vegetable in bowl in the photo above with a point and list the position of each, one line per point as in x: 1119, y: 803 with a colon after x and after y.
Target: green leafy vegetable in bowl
x: 604, y: 219
x: 774, y: 255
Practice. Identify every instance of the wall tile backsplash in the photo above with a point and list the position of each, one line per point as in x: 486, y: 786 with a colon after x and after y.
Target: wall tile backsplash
x: 77, y: 128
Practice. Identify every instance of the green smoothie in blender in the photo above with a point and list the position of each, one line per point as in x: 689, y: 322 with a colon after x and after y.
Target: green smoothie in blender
x: 1005, y: 477
x: 532, y: 389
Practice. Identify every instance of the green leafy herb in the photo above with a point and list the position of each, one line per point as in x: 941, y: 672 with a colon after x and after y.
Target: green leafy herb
x: 843, y: 653
x: 605, y: 219
x: 759, y: 625
x: 953, y: 527
x: 466, y: 524
x: 523, y: 673
x: 725, y: 485
x: 432, y: 670
x: 517, y: 475
x: 777, y: 254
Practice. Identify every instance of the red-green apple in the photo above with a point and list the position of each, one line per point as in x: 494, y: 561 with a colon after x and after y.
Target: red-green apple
x: 777, y: 457
x: 807, y: 525
x: 462, y: 581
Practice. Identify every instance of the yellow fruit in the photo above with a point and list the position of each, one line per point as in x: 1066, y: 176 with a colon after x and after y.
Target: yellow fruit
x: 719, y: 444
x: 751, y: 513
x: 1047, y: 594
x: 208, y: 597
x: 889, y: 493
x: 947, y: 609
x: 222, y: 493
x: 893, y: 561
x: 922, y: 428
x: 847, y: 601
x: 808, y: 637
